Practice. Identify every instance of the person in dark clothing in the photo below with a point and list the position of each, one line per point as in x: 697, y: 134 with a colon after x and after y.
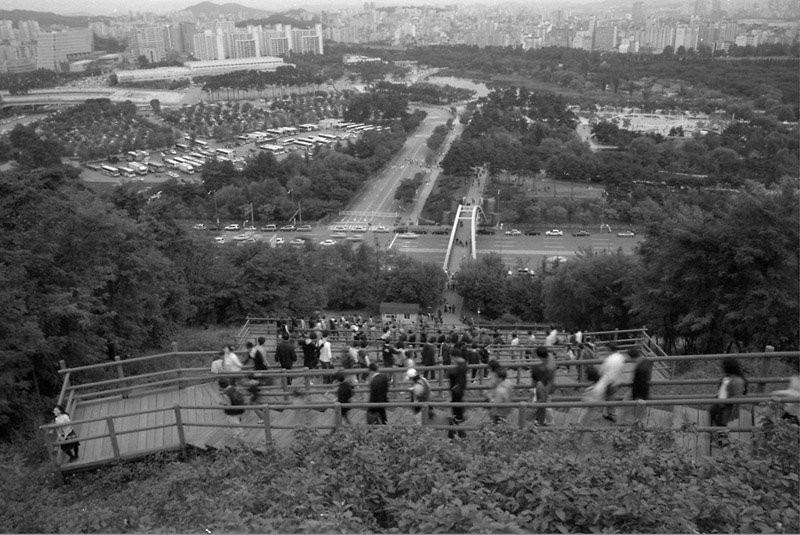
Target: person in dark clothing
x: 473, y: 357
x: 344, y: 393
x: 234, y: 414
x: 310, y: 351
x: 640, y: 387
x: 378, y: 393
x: 429, y: 357
x: 285, y: 355
x: 457, y: 376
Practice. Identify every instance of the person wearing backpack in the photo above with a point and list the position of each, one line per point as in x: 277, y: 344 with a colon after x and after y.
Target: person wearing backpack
x: 233, y: 414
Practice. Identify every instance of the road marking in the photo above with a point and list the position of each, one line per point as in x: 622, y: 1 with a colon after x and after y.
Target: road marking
x: 392, y: 242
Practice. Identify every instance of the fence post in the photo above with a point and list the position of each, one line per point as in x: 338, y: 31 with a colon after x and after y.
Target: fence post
x: 121, y: 374
x: 337, y: 414
x: 765, y: 362
x: 426, y: 414
x: 284, y: 386
x: 113, y: 434
x: 267, y: 426
x: 307, y: 380
x: 519, y: 375
x: 179, y: 424
x: 522, y: 415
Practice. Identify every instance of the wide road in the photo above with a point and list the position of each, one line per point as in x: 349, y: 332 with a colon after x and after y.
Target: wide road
x: 378, y: 195
x: 518, y: 251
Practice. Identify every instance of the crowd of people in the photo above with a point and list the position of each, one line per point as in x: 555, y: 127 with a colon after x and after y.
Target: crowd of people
x: 407, y: 349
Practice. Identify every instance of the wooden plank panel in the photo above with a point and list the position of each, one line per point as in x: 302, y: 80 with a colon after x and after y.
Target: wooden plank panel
x: 127, y: 423
x: 158, y: 434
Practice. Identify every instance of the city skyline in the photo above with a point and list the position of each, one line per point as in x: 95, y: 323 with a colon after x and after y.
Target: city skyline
x: 120, y: 7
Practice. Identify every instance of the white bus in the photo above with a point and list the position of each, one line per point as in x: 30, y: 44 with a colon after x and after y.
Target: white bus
x: 171, y: 163
x: 304, y: 144
x: 127, y: 172
x: 200, y: 143
x: 181, y: 147
x: 109, y: 170
x: 328, y: 137
x: 274, y: 149
x: 228, y: 153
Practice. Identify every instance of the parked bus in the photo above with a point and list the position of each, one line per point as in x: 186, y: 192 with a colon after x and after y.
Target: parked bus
x: 228, y: 153
x: 109, y: 170
x: 156, y: 167
x: 200, y: 143
x: 181, y: 147
x: 304, y: 144
x: 197, y: 164
x: 171, y: 163
x: 140, y: 168
x: 127, y: 172
x: 328, y: 137
x: 308, y: 127
x: 131, y: 155
x: 274, y: 149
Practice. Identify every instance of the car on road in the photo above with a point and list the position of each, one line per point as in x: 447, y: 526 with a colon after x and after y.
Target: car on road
x: 304, y: 228
x: 297, y: 241
x: 232, y: 227
x: 279, y: 241
x: 199, y: 226
x: 173, y: 174
x: 219, y: 239
x: 441, y: 231
x: 249, y: 228
x: 400, y: 230
x: 173, y: 151
x: 381, y: 228
x: 513, y: 232
x: 532, y: 233
x: 554, y: 232
x: 327, y: 243
x: 525, y: 271
x: 408, y: 235
x: 339, y: 235
x: 581, y: 234
x: 359, y: 228
x: 287, y: 228
x: 339, y: 228
x: 626, y: 234
x: 241, y: 237
x: 356, y: 237
x: 269, y: 228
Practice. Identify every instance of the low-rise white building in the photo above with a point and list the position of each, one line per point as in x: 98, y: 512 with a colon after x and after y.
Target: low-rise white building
x: 202, y: 68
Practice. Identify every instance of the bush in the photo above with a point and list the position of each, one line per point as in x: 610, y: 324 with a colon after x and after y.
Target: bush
x: 395, y: 480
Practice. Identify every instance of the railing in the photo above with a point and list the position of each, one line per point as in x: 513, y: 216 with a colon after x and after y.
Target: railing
x: 524, y: 409
x: 122, y: 383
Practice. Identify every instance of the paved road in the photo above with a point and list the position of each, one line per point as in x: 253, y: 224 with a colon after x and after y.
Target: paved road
x: 378, y: 195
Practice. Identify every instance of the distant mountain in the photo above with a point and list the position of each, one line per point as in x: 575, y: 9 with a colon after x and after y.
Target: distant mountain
x: 47, y: 18
x: 215, y: 10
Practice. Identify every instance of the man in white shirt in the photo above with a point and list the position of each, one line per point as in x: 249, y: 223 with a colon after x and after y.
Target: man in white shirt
x: 325, y: 356
x: 611, y: 377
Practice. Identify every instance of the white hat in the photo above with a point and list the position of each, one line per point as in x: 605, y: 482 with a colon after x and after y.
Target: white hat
x: 411, y: 373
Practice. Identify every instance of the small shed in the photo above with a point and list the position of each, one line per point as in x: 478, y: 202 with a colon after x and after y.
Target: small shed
x: 400, y: 312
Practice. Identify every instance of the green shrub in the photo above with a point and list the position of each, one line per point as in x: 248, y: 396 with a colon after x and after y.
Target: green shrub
x: 499, y: 479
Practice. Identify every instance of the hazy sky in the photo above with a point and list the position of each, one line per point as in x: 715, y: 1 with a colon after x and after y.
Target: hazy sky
x: 107, y: 7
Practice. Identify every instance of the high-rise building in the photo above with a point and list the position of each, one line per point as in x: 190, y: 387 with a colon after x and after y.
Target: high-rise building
x: 187, y: 31
x: 55, y: 50
x: 307, y: 41
x: 605, y: 37
x: 148, y: 41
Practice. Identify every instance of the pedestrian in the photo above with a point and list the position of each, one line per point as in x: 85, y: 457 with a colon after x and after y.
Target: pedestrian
x: 344, y: 393
x: 640, y: 387
x: 499, y: 395
x: 66, y: 435
x: 733, y: 384
x: 285, y: 355
x: 429, y: 356
x: 611, y: 377
x: 308, y: 345
x: 790, y: 398
x: 542, y: 378
x: 378, y: 393
x: 234, y: 415
x: 325, y: 356
x: 420, y: 393
x: 457, y: 377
